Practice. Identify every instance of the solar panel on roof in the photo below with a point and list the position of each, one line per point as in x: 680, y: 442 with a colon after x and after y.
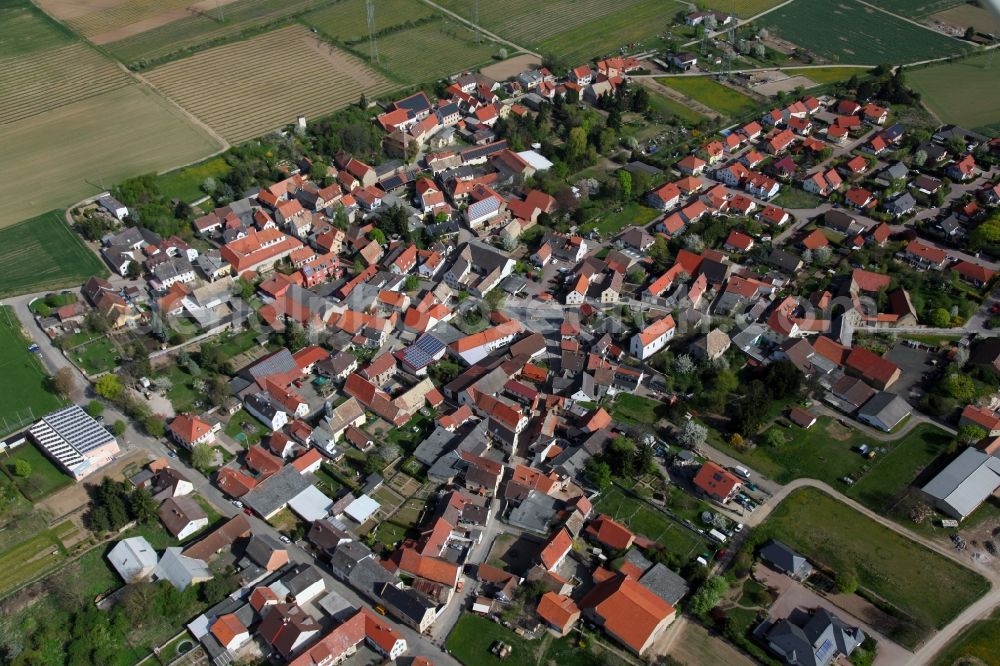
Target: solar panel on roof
x: 824, y: 650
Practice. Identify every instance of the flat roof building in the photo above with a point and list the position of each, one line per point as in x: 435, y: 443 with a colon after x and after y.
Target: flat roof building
x: 75, y: 441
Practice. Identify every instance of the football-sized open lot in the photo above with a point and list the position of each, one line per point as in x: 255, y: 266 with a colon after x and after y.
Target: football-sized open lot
x: 885, y: 563
x: 275, y: 77
x: 573, y: 29
x: 43, y: 253
x: 712, y: 94
x: 948, y: 88
x: 24, y: 384
x: 849, y: 32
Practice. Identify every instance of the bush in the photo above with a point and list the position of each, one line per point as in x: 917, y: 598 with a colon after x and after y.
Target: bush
x: 847, y: 582
x: 95, y: 408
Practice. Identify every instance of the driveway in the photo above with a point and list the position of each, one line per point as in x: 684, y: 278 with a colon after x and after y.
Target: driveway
x: 794, y: 596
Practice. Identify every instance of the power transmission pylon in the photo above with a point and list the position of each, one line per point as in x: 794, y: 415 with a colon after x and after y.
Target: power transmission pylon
x: 370, y: 5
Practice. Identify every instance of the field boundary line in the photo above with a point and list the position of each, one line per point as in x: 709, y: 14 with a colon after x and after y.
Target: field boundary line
x: 908, y: 20
x: 495, y: 37
x: 193, y: 119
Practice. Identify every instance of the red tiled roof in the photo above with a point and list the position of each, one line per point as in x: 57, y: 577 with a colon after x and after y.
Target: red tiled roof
x: 715, y: 480
x: 556, y: 548
x: 610, y: 533
x: 558, y: 610
x: 628, y: 610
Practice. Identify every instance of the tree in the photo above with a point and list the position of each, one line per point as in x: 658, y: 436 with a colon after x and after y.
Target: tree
x: 144, y: 507
x: 576, y: 144
x: 118, y: 428
x: 684, y: 364
x: 153, y: 425
x: 444, y: 371
x: 95, y: 408
x: 959, y: 386
x: 709, y: 595
x: 294, y: 336
x: 620, y: 456
x: 412, y: 283
x: 783, y: 378
x: 202, y: 457
x: 22, y: 468
x: 208, y: 185
x: 659, y: 253
x: 940, y: 318
x: 109, y: 387
x: 847, y: 582
x: 772, y: 437
x: 64, y: 382
x: 759, y: 51
x: 624, y: 184
x: 920, y: 158
x: 214, y: 590
x: 378, y: 236
x: 692, y: 434
x: 614, y: 121
x: 970, y: 434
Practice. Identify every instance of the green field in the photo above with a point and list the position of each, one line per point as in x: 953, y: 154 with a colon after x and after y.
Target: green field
x: 31, y: 558
x: 616, y: 221
x: 43, y: 253
x: 714, y: 95
x: 946, y: 91
x: 824, y: 75
x: 347, y: 20
x: 849, y: 32
x: 916, y: 9
x: 24, y: 384
x: 432, y: 50
x: 26, y: 29
x: 196, y: 31
x: 828, y: 452
x: 636, y: 409
x: 645, y: 519
x: 472, y: 637
x: 185, y: 184
x: 978, y: 644
x: 668, y: 107
x: 742, y: 8
x: 886, y: 563
x: 605, y: 34
x: 45, y: 477
x: 575, y: 30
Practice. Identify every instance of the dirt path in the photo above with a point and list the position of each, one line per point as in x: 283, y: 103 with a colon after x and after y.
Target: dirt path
x: 655, y: 85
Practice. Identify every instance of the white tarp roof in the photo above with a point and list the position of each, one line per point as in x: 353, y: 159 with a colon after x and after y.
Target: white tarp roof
x: 311, y: 504
x: 362, y: 509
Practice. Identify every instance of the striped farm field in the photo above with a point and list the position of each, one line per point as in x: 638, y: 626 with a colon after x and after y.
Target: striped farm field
x: 53, y: 78
x: 195, y: 30
x: 433, y: 50
x: 571, y: 28
x: 44, y: 253
x: 347, y: 20
x: 248, y: 88
x: 103, y: 17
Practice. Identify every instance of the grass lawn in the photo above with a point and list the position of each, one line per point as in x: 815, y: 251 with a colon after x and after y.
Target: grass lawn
x: 30, y: 558
x: 824, y: 75
x: 243, y: 423
x: 445, y: 47
x: 613, y: 222
x: 792, y: 197
x: 44, y: 253
x: 97, y: 356
x: 24, y: 384
x: 183, y: 394
x: 650, y: 522
x: 886, y: 563
x: 977, y: 644
x: 412, y: 433
x: 636, y: 409
x: 666, y: 106
x: 185, y: 184
x: 946, y: 89
x: 714, y: 95
x: 45, y: 477
x: 828, y: 451
x: 470, y: 642
x: 235, y: 344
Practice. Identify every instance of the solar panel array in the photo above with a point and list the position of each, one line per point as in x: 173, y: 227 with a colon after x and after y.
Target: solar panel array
x: 421, y: 353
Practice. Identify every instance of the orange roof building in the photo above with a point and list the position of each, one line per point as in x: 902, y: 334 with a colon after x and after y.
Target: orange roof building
x: 717, y: 482
x: 627, y: 611
x: 610, y: 533
x: 559, y: 612
x: 556, y: 549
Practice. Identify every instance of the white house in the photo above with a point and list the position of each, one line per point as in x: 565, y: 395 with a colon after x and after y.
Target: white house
x: 133, y: 558
x: 653, y: 338
x: 230, y: 632
x: 114, y: 207
x: 262, y: 409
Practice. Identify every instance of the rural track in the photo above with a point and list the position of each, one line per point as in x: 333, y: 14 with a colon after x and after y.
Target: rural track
x: 495, y: 37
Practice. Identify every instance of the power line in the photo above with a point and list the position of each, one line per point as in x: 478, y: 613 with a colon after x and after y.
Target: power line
x: 370, y: 5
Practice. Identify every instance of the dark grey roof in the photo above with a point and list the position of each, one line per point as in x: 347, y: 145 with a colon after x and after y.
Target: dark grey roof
x: 406, y: 603
x: 535, y: 513
x: 665, y: 584
x: 784, y: 559
x: 432, y: 448
x: 261, y: 547
x: 276, y: 490
x: 887, y: 407
x: 279, y: 362
x: 300, y: 578
x: 635, y: 557
x: 816, y: 643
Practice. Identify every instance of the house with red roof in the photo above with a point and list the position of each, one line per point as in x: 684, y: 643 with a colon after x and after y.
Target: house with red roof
x: 665, y: 197
x: 860, y: 198
x: 779, y: 142
x: 555, y: 549
x: 230, y: 632
x: 717, y: 482
x: 559, y: 612
x: 925, y: 255
x: 653, y: 338
x: 963, y: 169
x: 814, y: 240
x: 189, y: 430
x: 692, y: 165
x: 629, y: 612
x: 823, y: 183
x: 610, y: 533
x: 877, y: 371
x: 774, y: 215
x: 737, y: 241
x: 857, y: 165
x: 973, y: 273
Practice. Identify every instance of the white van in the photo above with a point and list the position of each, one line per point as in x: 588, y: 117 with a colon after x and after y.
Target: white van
x: 742, y: 472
